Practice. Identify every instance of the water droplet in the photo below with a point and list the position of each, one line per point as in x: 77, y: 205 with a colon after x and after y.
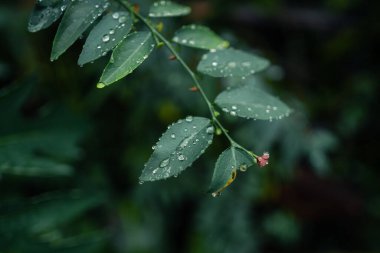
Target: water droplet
x: 153, y: 147
x: 246, y: 64
x: 115, y: 15
x: 184, y: 143
x: 274, y: 108
x: 172, y: 136
x: 112, y: 31
x: 214, y: 64
x: 267, y: 111
x: 215, y: 194
x: 141, y: 182
x: 164, y: 163
x: 106, y: 38
x: 155, y: 170
x: 232, y: 64
x: 210, y: 130
x: 181, y: 157
x: 233, y: 113
x: 189, y: 118
x: 63, y: 7
x: 234, y: 107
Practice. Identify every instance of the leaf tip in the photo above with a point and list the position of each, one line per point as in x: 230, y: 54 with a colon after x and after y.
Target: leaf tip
x: 100, y: 85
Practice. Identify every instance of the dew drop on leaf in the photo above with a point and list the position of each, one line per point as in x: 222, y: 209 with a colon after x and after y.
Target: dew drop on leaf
x: 115, y: 15
x: 210, y: 130
x: 164, y: 163
x: 106, y: 38
x: 189, y: 118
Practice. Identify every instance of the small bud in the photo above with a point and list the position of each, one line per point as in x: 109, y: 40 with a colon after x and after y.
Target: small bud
x: 160, y: 26
x: 218, y: 131
x: 136, y: 8
x: 172, y: 57
x: 193, y: 89
x: 160, y: 44
x: 216, y: 113
x: 263, y: 160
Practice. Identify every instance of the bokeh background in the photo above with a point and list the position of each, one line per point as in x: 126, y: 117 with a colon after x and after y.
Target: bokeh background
x: 71, y: 154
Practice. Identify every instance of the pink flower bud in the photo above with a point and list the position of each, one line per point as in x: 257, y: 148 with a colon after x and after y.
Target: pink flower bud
x: 263, y: 160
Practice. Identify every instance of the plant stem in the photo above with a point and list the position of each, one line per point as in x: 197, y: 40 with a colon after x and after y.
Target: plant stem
x: 211, y: 107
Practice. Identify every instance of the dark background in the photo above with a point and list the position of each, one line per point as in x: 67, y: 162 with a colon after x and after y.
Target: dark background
x: 320, y: 193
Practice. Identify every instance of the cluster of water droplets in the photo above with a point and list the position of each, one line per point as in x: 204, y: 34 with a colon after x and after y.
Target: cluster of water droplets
x: 200, y: 37
x: 184, y: 41
x: 45, y: 13
x: 190, y: 138
x: 248, y: 112
x: 110, y: 36
x: 167, y: 9
x: 215, y: 64
x: 95, y: 12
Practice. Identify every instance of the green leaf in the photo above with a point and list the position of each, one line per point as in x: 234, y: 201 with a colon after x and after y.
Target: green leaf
x: 40, y: 147
x: 46, y: 211
x: 45, y: 13
x: 112, y: 29
x: 229, y: 161
x: 231, y: 63
x: 252, y: 103
x: 178, y: 148
x: 127, y: 56
x: 168, y: 9
x: 77, y: 18
x: 38, y: 152
x: 199, y: 37
x: 83, y: 243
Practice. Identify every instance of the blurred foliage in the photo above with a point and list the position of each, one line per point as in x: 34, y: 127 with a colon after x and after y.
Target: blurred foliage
x: 71, y: 154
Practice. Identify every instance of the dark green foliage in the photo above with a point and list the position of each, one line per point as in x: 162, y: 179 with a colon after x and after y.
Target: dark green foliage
x: 319, y: 192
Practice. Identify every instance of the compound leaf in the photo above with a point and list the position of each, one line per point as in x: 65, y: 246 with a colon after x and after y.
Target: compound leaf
x: 231, y: 62
x: 199, y: 37
x: 252, y: 103
x: 228, y: 162
x: 77, y: 18
x: 178, y: 148
x: 127, y: 56
x: 112, y: 29
x: 168, y: 9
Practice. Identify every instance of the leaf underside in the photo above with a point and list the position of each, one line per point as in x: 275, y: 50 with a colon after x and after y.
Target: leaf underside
x: 178, y: 148
x: 230, y: 160
x: 45, y: 13
x: 231, y: 63
x: 252, y: 103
